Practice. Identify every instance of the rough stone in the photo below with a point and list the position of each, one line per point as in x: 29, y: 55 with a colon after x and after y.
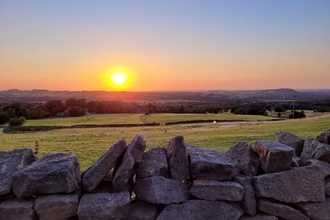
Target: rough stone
x: 310, y: 145
x: 213, y: 190
x: 273, y: 156
x: 142, y: 211
x: 291, y: 140
x: 125, y: 170
x: 322, y: 152
x: 247, y: 159
x: 211, y: 164
x: 95, y: 173
x: 177, y: 157
x: 200, y: 210
x: 55, y: 173
x: 10, y: 162
x: 325, y: 166
x: 303, y: 184
x: 295, y: 161
x: 57, y: 206
x: 249, y: 202
x: 154, y: 163
x: 280, y: 210
x: 160, y: 190
x: 259, y: 216
x: 324, y: 137
x: 17, y: 209
x: 327, y: 186
x: 112, y: 206
x: 315, y: 211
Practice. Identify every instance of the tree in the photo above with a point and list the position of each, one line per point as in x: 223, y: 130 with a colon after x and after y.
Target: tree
x: 76, y: 111
x: 54, y: 107
x: 4, y: 117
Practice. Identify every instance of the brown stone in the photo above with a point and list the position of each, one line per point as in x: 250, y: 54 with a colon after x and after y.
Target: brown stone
x: 291, y: 140
x: 324, y: 137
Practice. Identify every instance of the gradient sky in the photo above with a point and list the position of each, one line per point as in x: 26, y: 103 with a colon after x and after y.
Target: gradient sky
x: 165, y: 45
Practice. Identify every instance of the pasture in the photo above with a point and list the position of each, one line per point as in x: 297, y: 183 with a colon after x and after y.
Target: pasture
x: 90, y: 143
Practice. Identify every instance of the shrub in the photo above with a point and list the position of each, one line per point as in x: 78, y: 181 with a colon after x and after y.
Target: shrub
x: 16, y: 121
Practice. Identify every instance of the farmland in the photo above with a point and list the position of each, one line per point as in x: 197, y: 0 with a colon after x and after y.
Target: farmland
x: 90, y: 143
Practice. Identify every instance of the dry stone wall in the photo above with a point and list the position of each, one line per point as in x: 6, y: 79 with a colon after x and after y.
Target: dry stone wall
x: 288, y: 178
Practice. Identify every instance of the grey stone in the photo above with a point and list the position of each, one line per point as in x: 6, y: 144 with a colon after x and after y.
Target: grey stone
x: 273, y: 156
x: 325, y: 166
x: 177, y: 157
x: 201, y: 210
x: 310, y: 145
x: 112, y: 206
x: 125, y: 170
x: 211, y: 164
x: 315, y: 211
x: 291, y: 140
x: 247, y: 159
x: 10, y: 162
x: 324, y: 137
x: 17, y: 209
x: 295, y: 161
x: 213, y: 190
x: 142, y: 211
x: 322, y: 152
x: 259, y: 216
x: 249, y: 202
x: 160, y: 190
x: 280, y: 210
x: 57, y: 206
x: 55, y: 173
x: 303, y: 184
x: 95, y: 173
x: 154, y: 163
x: 327, y: 186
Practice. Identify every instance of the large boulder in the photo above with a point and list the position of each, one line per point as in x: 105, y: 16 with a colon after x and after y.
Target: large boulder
x: 291, y: 140
x: 142, y: 211
x: 315, y: 211
x: 160, y: 190
x: 200, y: 210
x: 273, y: 156
x: 154, y: 163
x: 10, y: 162
x: 125, y: 170
x: 211, y: 164
x: 303, y: 184
x: 213, y: 190
x: 95, y: 173
x: 104, y: 206
x: 247, y: 159
x: 324, y: 137
x: 57, y: 206
x: 322, y: 152
x: 17, y: 209
x: 325, y: 166
x: 55, y: 173
x: 249, y: 202
x: 280, y: 210
x: 177, y: 157
x: 310, y: 144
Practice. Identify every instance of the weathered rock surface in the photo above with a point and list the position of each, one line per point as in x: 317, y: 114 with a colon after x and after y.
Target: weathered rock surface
x: 247, y: 159
x: 177, y: 157
x: 95, y: 173
x: 327, y: 186
x: 291, y: 140
x: 201, y: 210
x: 322, y: 153
x: 295, y: 161
x: 259, y: 217
x: 154, y: 163
x: 57, y: 206
x: 303, y: 184
x: 211, y: 164
x: 325, y: 166
x: 273, y: 156
x: 104, y: 206
x: 160, y: 190
x: 324, y: 137
x: 315, y: 211
x: 280, y: 210
x: 213, y: 190
x: 249, y: 202
x: 310, y: 145
x: 125, y: 170
x: 17, y: 209
x: 142, y: 211
x: 10, y: 162
x: 56, y: 173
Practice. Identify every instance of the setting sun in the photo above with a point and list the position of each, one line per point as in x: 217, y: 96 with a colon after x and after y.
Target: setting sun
x: 118, y: 78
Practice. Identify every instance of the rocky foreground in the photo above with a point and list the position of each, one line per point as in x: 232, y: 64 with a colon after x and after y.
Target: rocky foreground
x: 288, y: 178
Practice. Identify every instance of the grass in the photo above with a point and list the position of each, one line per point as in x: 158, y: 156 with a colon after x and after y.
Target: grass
x: 90, y: 143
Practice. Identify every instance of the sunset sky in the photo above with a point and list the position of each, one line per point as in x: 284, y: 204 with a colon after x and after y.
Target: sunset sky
x: 165, y: 45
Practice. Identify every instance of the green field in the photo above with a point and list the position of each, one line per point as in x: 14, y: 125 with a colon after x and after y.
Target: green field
x: 90, y: 143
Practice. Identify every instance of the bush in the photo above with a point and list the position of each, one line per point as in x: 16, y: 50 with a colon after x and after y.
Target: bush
x: 16, y: 121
